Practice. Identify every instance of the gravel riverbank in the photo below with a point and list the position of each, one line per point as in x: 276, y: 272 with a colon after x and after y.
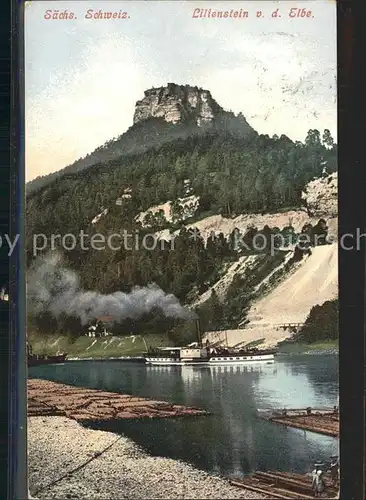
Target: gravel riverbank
x: 57, y: 445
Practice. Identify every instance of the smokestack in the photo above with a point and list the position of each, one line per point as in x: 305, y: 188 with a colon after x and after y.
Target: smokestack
x: 198, y: 331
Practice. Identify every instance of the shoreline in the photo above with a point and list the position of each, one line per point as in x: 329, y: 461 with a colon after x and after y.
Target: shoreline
x: 58, y: 445
x: 314, y: 352
x: 140, y: 360
x: 130, y: 349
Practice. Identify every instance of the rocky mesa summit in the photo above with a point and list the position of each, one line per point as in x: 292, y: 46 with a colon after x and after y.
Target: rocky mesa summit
x: 177, y: 103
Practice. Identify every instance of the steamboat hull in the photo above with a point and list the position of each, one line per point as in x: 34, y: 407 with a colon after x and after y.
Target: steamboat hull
x: 212, y: 361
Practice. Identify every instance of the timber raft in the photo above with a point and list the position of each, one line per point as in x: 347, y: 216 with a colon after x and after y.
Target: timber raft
x: 46, y: 398
x: 285, y: 485
x: 321, y: 421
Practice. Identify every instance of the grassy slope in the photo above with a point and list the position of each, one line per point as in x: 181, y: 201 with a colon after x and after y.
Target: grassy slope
x: 297, y: 348
x: 85, y: 347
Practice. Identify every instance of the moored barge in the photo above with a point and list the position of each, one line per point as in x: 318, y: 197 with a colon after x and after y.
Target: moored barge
x: 39, y: 359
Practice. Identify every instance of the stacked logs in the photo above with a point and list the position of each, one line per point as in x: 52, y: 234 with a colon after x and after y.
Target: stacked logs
x: 285, y: 485
x: 324, y: 422
x: 46, y: 398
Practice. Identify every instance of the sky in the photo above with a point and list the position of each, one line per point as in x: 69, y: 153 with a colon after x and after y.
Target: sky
x: 83, y: 76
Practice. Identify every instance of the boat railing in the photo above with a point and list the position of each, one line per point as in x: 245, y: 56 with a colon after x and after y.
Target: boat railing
x: 242, y: 352
x: 163, y: 354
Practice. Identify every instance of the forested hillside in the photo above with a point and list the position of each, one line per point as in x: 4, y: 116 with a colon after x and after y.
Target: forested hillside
x: 231, y: 173
x: 142, y: 136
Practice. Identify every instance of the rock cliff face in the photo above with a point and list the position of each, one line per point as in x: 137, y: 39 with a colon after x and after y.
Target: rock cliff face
x: 321, y: 196
x: 177, y: 103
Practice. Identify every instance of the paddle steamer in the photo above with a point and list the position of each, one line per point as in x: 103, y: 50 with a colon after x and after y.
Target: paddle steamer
x: 197, y: 354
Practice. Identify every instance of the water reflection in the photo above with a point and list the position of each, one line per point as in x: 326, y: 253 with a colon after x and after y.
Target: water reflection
x: 233, y: 440
x: 321, y: 374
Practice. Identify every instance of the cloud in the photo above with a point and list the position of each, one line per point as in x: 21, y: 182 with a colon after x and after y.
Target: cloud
x: 82, y: 107
x: 279, y: 84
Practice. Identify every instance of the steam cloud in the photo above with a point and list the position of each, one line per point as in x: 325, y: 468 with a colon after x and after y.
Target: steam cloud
x: 56, y: 290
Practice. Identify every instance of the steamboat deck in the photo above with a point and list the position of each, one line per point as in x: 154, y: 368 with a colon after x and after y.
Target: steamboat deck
x: 189, y: 356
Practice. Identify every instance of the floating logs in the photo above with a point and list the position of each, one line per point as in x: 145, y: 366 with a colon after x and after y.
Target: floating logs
x: 320, y: 421
x: 46, y: 398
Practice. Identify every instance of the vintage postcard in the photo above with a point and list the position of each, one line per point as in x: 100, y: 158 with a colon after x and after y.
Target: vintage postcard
x: 182, y: 263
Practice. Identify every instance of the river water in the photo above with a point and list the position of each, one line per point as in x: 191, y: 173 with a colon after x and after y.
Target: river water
x: 233, y: 440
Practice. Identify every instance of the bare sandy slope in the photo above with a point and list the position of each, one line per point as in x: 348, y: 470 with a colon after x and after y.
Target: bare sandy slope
x: 314, y: 282
x: 297, y: 219
x: 239, y: 268
x: 219, y: 224
x: 241, y: 337
x: 222, y: 285
x: 189, y: 205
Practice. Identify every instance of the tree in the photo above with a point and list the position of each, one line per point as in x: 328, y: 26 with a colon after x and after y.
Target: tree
x: 327, y: 139
x: 259, y: 191
x: 213, y: 312
x: 307, y: 238
x: 234, y: 240
x: 313, y: 138
x: 249, y: 237
x: 320, y: 233
x: 149, y: 219
x: 267, y: 238
x: 176, y: 211
x: 288, y: 235
x: 205, y: 202
x: 322, y: 323
x: 160, y: 220
x: 280, y: 189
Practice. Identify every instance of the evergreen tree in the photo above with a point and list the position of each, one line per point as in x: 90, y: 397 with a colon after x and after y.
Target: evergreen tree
x: 327, y: 139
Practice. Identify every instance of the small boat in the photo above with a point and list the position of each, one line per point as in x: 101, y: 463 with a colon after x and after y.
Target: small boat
x: 37, y: 360
x: 209, y: 356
